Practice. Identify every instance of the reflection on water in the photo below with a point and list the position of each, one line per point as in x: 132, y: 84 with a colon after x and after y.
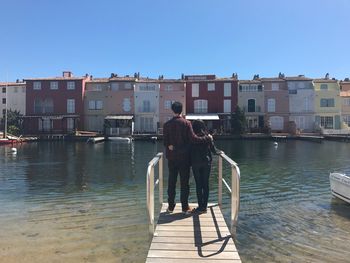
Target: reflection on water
x: 86, y: 203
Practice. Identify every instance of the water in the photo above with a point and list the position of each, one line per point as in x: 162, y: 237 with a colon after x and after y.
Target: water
x: 75, y: 202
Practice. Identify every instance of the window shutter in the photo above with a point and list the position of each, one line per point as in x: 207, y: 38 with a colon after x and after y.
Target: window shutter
x: 337, y: 122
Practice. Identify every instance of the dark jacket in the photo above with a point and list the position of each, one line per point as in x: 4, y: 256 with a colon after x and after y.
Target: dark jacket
x: 178, y: 132
x: 202, y: 153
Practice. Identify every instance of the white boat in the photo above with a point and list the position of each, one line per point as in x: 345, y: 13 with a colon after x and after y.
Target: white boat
x: 340, y: 186
x: 120, y: 139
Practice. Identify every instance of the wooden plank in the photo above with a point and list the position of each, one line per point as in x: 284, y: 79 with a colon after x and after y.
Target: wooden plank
x: 186, y: 255
x: 193, y: 228
x: 227, y: 246
x: 192, y: 238
x: 194, y: 260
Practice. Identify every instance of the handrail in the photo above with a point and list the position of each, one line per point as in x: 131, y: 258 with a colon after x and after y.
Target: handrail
x: 158, y: 159
x: 234, y: 190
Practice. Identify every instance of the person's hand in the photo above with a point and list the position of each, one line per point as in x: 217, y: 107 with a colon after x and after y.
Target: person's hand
x: 211, y: 137
x: 171, y: 147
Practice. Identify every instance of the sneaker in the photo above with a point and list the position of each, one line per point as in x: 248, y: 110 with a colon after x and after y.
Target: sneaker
x: 200, y: 210
x: 170, y: 209
x: 188, y: 211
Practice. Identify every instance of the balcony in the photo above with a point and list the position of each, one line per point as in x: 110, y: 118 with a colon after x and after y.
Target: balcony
x: 252, y: 109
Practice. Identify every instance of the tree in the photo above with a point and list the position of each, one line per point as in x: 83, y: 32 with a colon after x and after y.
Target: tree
x: 14, y: 122
x: 238, y: 121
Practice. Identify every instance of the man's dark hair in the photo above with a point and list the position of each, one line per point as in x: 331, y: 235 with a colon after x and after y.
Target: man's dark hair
x: 176, y: 107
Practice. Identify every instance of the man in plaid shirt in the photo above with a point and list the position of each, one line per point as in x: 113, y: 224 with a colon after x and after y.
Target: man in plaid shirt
x: 178, y: 135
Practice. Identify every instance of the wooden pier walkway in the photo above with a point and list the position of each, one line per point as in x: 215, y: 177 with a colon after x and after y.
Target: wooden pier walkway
x: 192, y: 238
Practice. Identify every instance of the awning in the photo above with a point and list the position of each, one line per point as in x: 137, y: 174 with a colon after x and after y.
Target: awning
x: 204, y: 117
x: 119, y: 117
x: 51, y: 117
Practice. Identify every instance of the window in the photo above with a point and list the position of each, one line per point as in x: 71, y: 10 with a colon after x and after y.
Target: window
x: 275, y: 86
x: 95, y: 105
x: 3, y: 111
x: 127, y: 86
x: 251, y: 105
x: 195, y: 90
x: 307, y: 104
x: 227, y: 89
x: 327, y: 122
x: 211, y: 86
x: 200, y: 106
x: 346, y: 101
x: 147, y: 87
x: 97, y: 88
x: 227, y: 106
x: 126, y: 104
x: 37, y: 85
x: 327, y: 103
x: 167, y: 104
x: 346, y: 119
x: 293, y: 91
x: 70, y: 85
x: 45, y: 125
x: 43, y: 106
x: 70, y: 124
x: 114, y: 86
x: 23, y: 89
x: 3, y: 90
x: 146, y: 124
x: 146, y: 106
x: 324, y: 87
x: 250, y: 88
x: 53, y: 85
x: 168, y: 88
x: 70, y: 105
x: 3, y: 100
x: 15, y: 89
x: 271, y: 105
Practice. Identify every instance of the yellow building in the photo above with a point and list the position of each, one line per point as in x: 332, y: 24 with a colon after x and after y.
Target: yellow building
x: 327, y: 104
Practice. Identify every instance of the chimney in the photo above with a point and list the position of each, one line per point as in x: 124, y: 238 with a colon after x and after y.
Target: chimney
x: 67, y: 74
x: 326, y: 76
x: 346, y: 79
x: 17, y: 80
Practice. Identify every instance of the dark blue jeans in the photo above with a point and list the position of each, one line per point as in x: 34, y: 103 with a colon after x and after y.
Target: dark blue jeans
x: 183, y: 169
x: 201, y: 174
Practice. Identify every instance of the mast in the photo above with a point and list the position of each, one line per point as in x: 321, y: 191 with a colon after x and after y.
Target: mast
x: 5, y: 127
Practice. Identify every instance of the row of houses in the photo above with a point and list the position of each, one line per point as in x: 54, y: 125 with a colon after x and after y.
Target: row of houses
x: 122, y: 105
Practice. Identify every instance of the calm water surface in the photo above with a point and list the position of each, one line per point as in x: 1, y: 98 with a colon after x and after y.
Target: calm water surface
x: 75, y: 202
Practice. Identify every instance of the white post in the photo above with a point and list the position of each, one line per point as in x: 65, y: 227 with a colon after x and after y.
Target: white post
x: 220, y: 182
x: 151, y: 201
x: 161, y: 179
x: 234, y: 199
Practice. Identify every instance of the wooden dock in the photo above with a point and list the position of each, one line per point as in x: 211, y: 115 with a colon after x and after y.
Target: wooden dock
x: 192, y: 238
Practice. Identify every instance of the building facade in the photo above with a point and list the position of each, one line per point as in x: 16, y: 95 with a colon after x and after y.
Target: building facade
x: 345, y: 102
x: 301, y: 102
x: 276, y: 101
x: 170, y: 91
x: 54, y: 105
x: 109, y: 105
x: 327, y: 104
x: 211, y: 99
x: 251, y: 101
x: 146, y: 100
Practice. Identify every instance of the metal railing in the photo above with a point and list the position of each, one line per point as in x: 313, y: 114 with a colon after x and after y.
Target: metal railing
x: 158, y: 159
x: 234, y: 189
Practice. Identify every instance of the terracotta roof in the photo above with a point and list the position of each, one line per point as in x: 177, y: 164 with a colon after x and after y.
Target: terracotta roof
x: 123, y: 79
x: 97, y: 80
x: 297, y: 78
x: 345, y: 93
x: 55, y: 78
x: 12, y: 84
x: 171, y: 80
x: 325, y: 80
x: 255, y: 81
x: 273, y: 79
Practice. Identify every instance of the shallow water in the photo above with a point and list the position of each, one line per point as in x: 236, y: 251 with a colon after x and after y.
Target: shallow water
x: 76, y: 202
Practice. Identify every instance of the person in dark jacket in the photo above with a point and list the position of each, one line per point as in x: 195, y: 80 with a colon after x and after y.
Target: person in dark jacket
x: 178, y: 136
x: 201, y: 158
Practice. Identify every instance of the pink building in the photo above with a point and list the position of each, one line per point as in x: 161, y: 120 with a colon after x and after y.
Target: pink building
x: 170, y: 90
x: 276, y: 103
x: 54, y: 105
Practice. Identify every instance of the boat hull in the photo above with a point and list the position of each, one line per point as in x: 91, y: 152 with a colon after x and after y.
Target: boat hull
x: 340, y: 186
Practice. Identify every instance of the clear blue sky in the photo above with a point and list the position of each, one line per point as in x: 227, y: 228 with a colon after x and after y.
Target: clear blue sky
x: 41, y: 38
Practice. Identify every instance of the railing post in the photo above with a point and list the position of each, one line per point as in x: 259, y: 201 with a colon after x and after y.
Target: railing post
x: 161, y: 179
x: 220, y: 182
x: 233, y: 200
x: 151, y: 200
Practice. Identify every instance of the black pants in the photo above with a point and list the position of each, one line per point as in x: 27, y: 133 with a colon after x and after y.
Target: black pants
x: 201, y: 174
x: 175, y: 168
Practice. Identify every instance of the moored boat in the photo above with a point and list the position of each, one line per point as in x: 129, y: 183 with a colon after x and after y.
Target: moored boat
x: 340, y: 186
x: 7, y: 141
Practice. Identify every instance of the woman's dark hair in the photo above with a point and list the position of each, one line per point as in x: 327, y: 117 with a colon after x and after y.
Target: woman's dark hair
x: 198, y: 127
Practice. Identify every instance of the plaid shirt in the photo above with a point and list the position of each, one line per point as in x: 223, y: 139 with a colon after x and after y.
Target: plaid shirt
x: 178, y: 132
